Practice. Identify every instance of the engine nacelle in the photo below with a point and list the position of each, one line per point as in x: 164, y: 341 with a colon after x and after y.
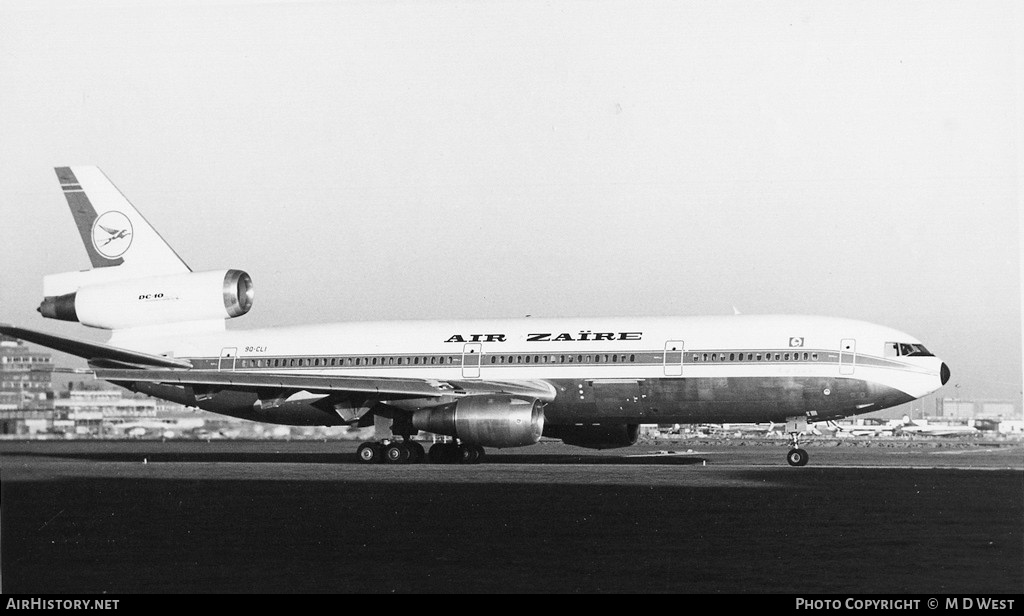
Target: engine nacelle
x: 195, y: 296
x: 609, y: 436
x: 493, y: 421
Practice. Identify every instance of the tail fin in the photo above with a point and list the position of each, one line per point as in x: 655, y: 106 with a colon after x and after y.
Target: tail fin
x: 113, y: 231
x: 121, y: 244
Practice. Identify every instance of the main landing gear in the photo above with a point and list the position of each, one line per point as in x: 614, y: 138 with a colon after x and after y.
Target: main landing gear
x: 411, y: 452
x: 392, y: 452
x: 794, y: 427
x: 456, y: 453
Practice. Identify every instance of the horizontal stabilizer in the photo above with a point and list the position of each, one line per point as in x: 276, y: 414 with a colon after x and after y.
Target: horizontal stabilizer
x: 90, y: 350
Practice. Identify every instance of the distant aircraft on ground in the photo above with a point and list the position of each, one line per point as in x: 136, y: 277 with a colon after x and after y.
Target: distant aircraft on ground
x: 909, y: 426
x: 868, y: 429
x: 748, y: 429
x: 488, y: 383
x: 139, y: 427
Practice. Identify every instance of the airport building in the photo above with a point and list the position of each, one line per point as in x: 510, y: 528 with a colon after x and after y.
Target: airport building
x: 26, y: 393
x: 955, y: 408
x: 24, y: 374
x: 115, y: 413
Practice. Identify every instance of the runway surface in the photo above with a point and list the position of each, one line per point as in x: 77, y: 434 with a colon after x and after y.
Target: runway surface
x: 679, y: 517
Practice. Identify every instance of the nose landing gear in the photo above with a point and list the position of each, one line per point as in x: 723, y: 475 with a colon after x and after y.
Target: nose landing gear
x: 794, y: 427
x: 796, y: 457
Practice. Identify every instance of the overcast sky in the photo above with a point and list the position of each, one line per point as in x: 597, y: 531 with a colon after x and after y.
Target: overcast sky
x: 398, y: 160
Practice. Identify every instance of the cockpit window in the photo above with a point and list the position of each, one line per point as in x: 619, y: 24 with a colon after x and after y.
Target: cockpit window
x: 905, y: 349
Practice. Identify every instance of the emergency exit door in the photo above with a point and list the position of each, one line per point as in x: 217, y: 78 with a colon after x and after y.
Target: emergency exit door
x: 674, y: 358
x: 227, y: 358
x: 471, y: 353
x: 847, y: 355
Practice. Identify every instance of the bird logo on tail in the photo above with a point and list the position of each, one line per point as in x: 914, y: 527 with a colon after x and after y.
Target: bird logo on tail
x: 112, y: 234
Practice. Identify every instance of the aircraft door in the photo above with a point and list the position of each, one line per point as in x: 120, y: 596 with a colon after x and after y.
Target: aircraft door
x: 471, y: 353
x: 674, y: 358
x: 227, y: 358
x: 847, y: 355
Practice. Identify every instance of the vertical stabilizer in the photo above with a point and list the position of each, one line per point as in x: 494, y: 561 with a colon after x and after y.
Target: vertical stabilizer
x: 112, y: 230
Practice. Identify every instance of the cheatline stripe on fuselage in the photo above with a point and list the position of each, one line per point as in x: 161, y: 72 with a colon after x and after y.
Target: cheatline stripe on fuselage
x: 640, y: 358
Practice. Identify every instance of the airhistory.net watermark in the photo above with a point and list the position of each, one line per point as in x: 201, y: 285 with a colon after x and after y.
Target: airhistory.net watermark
x: 60, y: 604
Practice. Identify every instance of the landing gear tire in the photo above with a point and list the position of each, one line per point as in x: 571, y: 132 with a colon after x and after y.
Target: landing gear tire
x: 797, y: 457
x: 416, y: 452
x: 397, y: 453
x: 370, y: 453
x: 456, y: 453
x: 468, y: 454
x: 442, y: 453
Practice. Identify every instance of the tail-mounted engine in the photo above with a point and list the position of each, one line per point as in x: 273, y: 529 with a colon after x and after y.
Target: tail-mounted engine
x: 195, y: 296
x: 491, y: 421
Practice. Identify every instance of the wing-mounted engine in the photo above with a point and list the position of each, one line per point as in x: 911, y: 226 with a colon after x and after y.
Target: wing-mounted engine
x: 602, y: 436
x: 135, y: 302
x: 491, y: 421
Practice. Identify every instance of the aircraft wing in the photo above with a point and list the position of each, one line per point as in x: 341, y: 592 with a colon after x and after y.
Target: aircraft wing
x: 384, y: 387
x: 92, y: 351
x: 389, y: 387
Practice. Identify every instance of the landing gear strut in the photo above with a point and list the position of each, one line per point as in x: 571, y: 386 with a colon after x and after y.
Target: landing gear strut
x: 794, y: 427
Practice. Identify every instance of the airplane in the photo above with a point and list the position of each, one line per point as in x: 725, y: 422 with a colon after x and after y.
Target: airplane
x: 869, y: 429
x: 155, y: 426
x: 745, y: 428
x: 497, y: 383
x: 909, y: 426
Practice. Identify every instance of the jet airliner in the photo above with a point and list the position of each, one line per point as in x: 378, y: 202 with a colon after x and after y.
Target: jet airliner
x: 498, y: 383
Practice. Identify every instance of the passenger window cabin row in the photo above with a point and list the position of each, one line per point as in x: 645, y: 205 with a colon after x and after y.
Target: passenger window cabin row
x: 606, y: 358
x: 342, y: 362
x: 497, y: 360
x: 754, y: 357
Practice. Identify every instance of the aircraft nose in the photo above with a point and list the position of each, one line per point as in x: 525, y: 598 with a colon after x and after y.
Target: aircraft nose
x: 944, y: 373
